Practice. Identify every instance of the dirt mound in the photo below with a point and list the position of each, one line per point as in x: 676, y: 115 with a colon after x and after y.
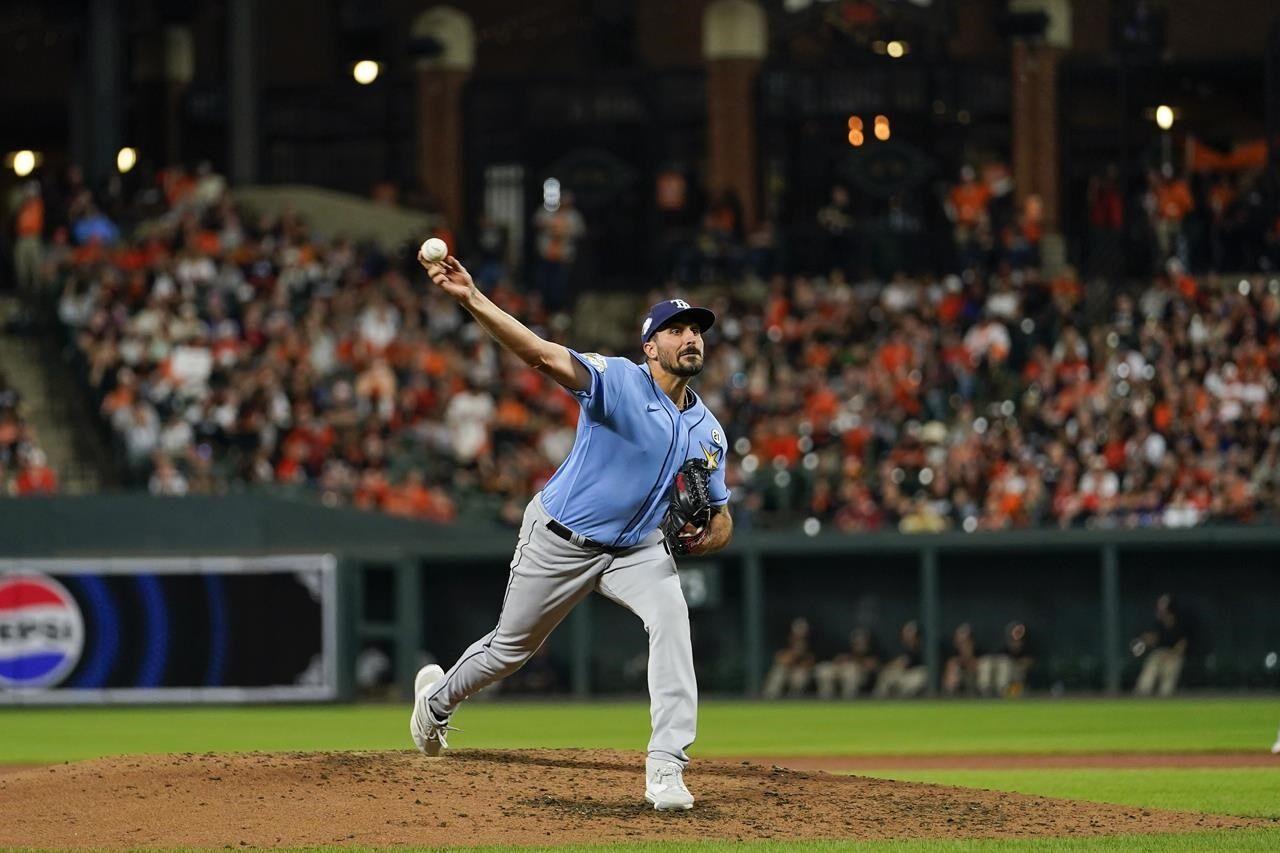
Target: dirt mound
x: 512, y: 797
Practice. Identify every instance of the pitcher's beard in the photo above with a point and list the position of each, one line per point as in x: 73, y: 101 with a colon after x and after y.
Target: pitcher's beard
x: 679, y: 367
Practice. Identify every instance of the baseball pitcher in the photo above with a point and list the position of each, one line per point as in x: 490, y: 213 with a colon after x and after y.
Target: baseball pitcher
x: 644, y: 483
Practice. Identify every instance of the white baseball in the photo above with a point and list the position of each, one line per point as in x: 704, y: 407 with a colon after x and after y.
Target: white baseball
x: 435, y: 249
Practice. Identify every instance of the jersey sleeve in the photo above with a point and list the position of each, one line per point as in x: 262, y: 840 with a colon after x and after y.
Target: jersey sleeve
x: 719, y: 490
x: 607, y: 384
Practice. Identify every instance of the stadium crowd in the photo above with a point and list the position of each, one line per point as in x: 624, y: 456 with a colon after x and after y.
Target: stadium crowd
x: 227, y: 351
x: 24, y: 469
x: 1210, y: 218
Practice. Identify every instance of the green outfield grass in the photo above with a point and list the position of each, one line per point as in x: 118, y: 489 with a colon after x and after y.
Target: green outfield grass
x: 1244, y: 791
x: 725, y: 728
x: 1246, y: 841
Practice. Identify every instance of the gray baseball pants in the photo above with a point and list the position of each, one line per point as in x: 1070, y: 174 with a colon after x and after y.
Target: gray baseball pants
x: 549, y: 576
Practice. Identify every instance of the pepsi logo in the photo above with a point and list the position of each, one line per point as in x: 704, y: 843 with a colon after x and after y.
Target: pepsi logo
x: 41, y: 631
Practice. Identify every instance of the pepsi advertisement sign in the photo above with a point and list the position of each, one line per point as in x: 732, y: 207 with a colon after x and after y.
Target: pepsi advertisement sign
x: 41, y: 631
x: 119, y: 630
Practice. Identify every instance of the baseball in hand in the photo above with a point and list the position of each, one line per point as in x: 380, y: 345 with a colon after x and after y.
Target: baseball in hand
x: 690, y: 531
x: 435, y: 249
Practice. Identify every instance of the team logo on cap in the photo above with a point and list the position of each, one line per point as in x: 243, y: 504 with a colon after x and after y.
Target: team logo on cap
x: 41, y: 631
x: 679, y: 303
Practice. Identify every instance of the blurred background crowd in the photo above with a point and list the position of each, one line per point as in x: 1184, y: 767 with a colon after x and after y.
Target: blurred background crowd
x: 979, y: 265
x: 972, y: 273
x: 224, y: 349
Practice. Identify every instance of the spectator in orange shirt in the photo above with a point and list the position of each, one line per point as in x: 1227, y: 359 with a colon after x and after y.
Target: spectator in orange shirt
x: 28, y: 248
x: 1066, y: 290
x: 1173, y: 203
x: 895, y: 354
x: 967, y: 205
x: 414, y: 499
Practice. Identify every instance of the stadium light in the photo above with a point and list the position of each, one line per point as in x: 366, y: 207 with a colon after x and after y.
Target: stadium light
x: 1164, y: 116
x: 882, y: 128
x: 855, y: 122
x: 126, y: 159
x: 24, y: 163
x: 856, y: 138
x: 365, y: 71
x: 896, y: 49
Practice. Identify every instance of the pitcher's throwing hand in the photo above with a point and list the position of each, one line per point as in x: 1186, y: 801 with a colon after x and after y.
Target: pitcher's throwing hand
x: 452, y: 276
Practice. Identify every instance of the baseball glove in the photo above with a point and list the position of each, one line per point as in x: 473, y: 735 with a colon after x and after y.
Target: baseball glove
x: 689, y: 506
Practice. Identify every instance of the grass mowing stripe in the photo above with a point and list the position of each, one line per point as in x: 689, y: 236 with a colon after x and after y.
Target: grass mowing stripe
x: 731, y: 728
x: 1244, y: 791
x: 1244, y: 841
x: 991, y: 727
x: 1235, y: 841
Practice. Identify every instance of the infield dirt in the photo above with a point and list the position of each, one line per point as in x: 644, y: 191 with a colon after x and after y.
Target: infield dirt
x: 476, y: 797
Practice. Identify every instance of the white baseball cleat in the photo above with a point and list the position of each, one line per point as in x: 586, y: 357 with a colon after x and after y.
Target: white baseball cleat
x: 1275, y: 748
x: 664, y: 785
x: 428, y: 732
x: 427, y: 676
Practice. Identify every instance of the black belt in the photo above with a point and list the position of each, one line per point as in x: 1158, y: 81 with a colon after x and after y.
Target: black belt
x: 581, y: 541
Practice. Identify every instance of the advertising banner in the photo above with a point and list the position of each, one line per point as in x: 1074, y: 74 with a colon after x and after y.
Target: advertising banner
x: 207, y: 629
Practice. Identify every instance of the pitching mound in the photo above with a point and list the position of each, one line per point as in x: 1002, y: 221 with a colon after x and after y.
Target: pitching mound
x: 512, y: 797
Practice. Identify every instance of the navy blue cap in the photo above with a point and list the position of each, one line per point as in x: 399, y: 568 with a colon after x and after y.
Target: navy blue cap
x: 667, y: 310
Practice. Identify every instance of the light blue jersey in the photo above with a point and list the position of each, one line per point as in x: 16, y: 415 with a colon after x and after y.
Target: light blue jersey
x: 631, y: 440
